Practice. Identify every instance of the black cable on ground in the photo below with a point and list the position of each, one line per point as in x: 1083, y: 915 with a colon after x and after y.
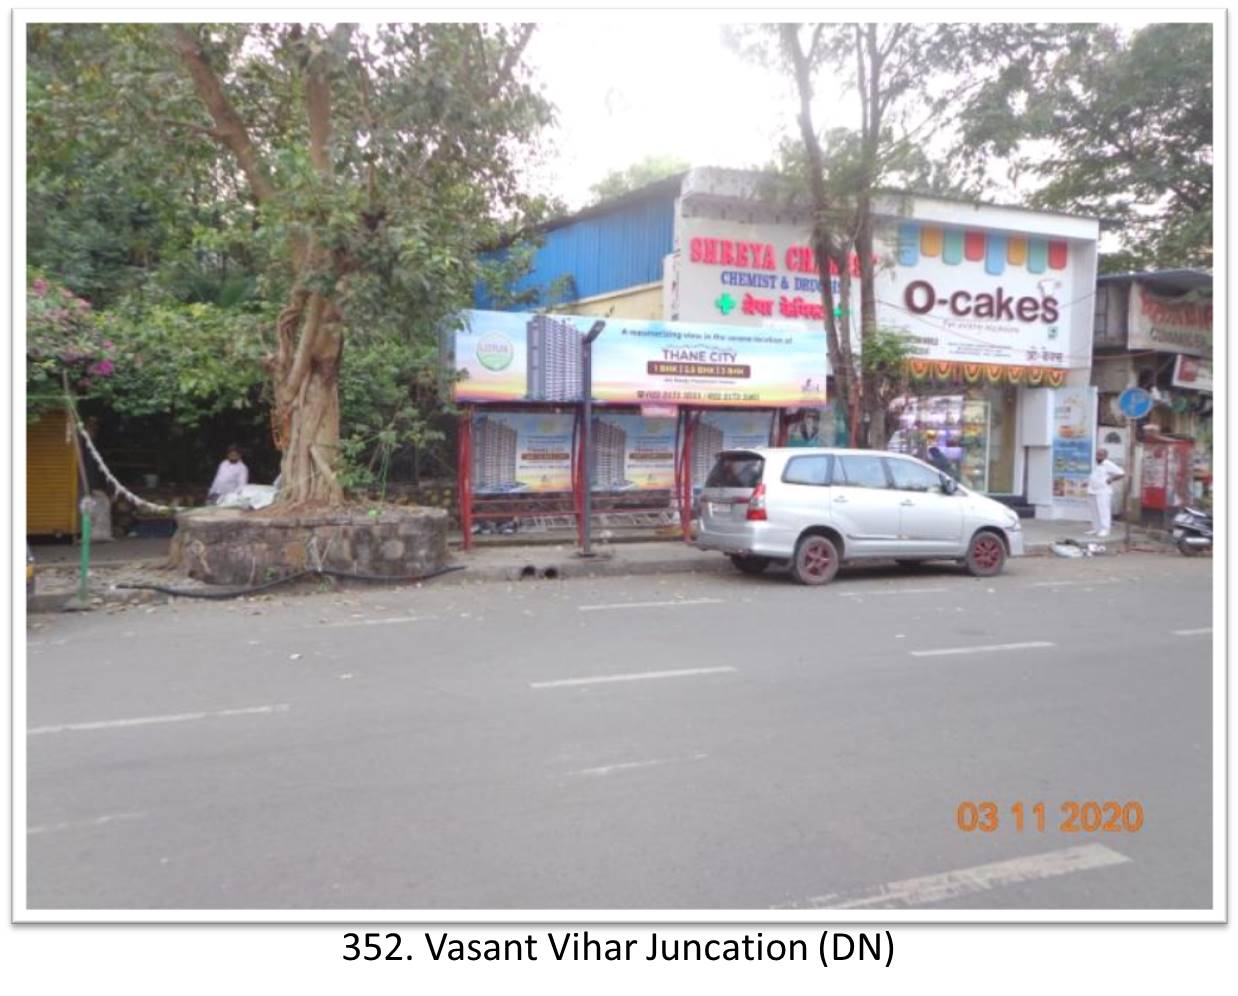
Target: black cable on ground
x: 329, y: 572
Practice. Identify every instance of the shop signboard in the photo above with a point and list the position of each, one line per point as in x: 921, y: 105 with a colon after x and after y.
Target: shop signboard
x: 508, y: 356
x: 980, y: 296
x: 740, y: 273
x: 1168, y: 324
x: 633, y: 453
x: 959, y: 294
x: 1193, y: 372
x: 521, y: 453
x: 1074, y: 410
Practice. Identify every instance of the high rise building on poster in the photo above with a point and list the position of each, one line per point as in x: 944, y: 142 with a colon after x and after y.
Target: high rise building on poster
x: 610, y: 444
x: 494, y: 455
x: 706, y: 444
x: 553, y: 359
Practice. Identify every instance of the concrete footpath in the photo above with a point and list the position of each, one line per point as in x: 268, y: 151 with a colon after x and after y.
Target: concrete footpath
x: 143, y: 561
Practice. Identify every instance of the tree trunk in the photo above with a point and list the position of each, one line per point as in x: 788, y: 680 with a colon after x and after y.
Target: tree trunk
x: 311, y: 451
x: 306, y: 416
x: 873, y: 420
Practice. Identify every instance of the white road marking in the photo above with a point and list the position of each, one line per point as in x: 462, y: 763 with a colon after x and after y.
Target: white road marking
x: 379, y: 622
x: 896, y: 591
x: 1192, y: 632
x: 915, y: 892
x: 98, y: 821
x: 1064, y: 584
x: 640, y: 676
x: 182, y: 717
x: 1030, y: 645
x: 628, y: 765
x: 650, y: 605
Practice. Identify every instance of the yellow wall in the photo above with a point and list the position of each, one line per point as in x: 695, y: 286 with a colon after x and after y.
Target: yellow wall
x: 51, y: 476
x: 643, y: 302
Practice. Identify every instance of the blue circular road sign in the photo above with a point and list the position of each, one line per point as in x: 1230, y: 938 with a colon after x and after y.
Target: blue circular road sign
x: 1135, y: 402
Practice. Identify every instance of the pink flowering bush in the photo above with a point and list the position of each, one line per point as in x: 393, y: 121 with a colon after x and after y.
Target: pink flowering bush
x: 63, y: 337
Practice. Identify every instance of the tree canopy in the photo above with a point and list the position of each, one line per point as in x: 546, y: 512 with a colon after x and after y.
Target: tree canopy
x: 284, y: 188
x: 1121, y: 129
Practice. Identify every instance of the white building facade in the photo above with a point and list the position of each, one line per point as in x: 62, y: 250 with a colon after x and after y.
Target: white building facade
x: 996, y: 304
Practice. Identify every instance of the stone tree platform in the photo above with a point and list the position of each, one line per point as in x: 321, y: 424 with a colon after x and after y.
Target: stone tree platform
x: 240, y: 547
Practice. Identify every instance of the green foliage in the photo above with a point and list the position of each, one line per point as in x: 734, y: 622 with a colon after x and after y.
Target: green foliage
x: 65, y: 344
x: 186, y: 361
x: 135, y: 201
x: 388, y: 400
x: 645, y: 171
x: 884, y: 359
x: 1125, y: 129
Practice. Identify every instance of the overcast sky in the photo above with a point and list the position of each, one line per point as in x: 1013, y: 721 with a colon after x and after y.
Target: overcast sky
x: 630, y: 88
x: 648, y: 83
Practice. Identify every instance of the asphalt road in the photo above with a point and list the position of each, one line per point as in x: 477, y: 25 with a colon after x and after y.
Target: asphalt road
x: 452, y: 747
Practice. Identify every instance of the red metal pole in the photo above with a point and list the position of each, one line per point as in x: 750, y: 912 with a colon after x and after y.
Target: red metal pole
x: 464, y: 482
x: 685, y: 499
x: 578, y: 459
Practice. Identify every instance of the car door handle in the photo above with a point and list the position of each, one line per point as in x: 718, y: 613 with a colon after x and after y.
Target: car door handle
x: 841, y: 499
x: 906, y: 501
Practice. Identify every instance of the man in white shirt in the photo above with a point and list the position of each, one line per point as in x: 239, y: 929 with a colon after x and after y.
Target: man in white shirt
x: 232, y: 475
x: 1104, y: 473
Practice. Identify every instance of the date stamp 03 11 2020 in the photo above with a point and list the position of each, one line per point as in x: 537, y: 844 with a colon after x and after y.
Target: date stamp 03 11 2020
x: 1076, y: 817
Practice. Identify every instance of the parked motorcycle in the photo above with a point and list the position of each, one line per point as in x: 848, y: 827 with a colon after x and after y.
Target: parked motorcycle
x: 1193, y: 531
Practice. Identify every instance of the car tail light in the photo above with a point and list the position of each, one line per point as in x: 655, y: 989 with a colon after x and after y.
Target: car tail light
x: 756, y: 505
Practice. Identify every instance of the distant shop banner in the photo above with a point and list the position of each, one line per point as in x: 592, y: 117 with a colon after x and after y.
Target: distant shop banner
x: 718, y: 431
x: 516, y: 453
x: 1074, y: 410
x: 1169, y: 324
x: 1193, y: 372
x: 633, y: 453
x: 508, y: 356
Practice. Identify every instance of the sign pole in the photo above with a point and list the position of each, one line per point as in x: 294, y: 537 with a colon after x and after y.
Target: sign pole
x: 587, y: 436
x: 1130, y: 478
x: 1134, y: 403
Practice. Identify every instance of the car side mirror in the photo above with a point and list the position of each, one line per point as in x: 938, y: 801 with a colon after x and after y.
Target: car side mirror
x: 949, y: 485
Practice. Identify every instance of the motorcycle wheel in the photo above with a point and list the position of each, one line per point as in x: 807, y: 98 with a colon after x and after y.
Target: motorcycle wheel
x: 1187, y: 550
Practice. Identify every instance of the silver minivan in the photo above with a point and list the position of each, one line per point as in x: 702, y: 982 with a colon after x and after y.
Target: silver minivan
x: 813, y: 509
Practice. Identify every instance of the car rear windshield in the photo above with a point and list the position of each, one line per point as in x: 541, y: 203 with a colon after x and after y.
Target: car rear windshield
x: 736, y: 470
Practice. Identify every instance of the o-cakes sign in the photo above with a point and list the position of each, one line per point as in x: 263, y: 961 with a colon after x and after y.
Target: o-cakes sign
x: 958, y: 294
x: 979, y: 296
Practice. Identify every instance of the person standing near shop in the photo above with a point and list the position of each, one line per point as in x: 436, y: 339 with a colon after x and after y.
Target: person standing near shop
x: 1100, y: 481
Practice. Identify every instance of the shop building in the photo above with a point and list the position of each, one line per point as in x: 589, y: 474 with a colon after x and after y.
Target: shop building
x: 1154, y: 330
x: 995, y: 302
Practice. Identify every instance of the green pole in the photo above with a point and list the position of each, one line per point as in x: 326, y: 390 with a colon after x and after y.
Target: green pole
x: 84, y: 572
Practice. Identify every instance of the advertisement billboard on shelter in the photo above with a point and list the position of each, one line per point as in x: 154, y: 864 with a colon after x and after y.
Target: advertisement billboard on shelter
x: 511, y: 356
x: 633, y: 453
x: 718, y: 431
x: 518, y: 453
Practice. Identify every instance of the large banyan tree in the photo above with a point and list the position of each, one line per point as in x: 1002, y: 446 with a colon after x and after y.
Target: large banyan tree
x: 360, y: 166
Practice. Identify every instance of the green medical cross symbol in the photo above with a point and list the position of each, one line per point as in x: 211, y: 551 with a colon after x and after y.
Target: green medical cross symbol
x: 725, y: 303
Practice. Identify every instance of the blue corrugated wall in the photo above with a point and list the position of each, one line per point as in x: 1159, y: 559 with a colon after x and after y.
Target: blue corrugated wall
x: 604, y: 253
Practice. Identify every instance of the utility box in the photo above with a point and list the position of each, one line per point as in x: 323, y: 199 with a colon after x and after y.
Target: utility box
x: 1165, y: 481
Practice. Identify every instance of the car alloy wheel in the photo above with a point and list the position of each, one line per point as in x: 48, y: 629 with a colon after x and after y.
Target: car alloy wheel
x: 986, y: 556
x: 816, y: 560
